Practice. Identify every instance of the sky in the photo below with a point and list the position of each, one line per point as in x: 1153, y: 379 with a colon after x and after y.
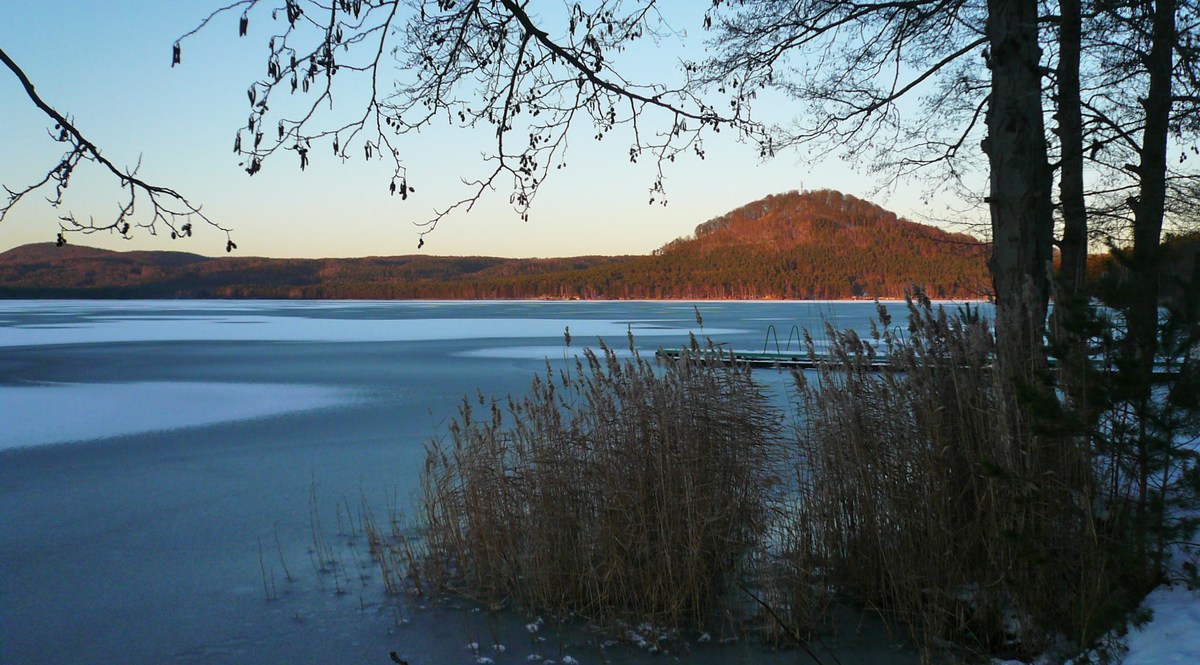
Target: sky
x: 108, y: 65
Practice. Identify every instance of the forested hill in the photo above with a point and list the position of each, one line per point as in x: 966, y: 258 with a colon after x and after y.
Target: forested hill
x: 797, y: 245
x: 826, y: 244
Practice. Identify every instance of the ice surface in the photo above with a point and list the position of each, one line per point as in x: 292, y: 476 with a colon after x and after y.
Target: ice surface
x: 43, y: 413
x: 548, y: 351
x: 160, y: 327
x: 59, y: 413
x: 39, y: 413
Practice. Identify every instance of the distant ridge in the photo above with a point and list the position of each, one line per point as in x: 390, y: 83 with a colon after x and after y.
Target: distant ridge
x: 826, y: 244
x: 812, y: 245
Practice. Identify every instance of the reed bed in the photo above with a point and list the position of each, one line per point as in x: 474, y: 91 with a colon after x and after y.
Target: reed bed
x: 620, y: 490
x: 983, y: 516
x: 935, y: 496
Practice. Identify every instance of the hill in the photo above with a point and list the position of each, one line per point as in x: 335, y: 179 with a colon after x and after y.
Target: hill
x: 811, y: 245
x: 828, y: 245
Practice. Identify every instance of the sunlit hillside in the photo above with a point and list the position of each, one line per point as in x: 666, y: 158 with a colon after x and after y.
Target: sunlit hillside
x: 813, y: 245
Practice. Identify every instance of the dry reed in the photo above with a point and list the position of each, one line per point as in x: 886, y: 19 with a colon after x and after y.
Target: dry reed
x: 931, y: 493
x: 624, y: 490
x: 978, y: 513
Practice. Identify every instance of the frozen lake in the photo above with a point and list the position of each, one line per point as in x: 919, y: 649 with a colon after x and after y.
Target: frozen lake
x: 157, y: 456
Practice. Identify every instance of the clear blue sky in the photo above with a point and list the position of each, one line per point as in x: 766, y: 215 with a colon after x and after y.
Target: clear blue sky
x: 108, y: 64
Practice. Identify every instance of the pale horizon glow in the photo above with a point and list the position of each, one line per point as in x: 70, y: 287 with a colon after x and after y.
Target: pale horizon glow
x: 108, y: 67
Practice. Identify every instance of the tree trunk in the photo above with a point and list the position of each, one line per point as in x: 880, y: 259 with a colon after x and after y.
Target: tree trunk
x: 1071, y: 305
x: 1150, y: 205
x: 1020, y: 197
x: 1148, y: 212
x: 1073, y: 256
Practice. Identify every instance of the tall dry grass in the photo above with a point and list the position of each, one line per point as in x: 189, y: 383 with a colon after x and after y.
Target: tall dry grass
x: 936, y: 496
x: 984, y: 518
x: 620, y: 490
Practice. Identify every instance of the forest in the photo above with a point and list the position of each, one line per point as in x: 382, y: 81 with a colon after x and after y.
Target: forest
x: 798, y: 245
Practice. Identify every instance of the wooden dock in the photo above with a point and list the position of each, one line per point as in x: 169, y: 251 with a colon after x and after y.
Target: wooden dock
x: 780, y: 359
x: 1163, y: 371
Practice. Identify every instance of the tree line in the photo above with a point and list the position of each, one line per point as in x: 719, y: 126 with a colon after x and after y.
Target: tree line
x: 812, y: 245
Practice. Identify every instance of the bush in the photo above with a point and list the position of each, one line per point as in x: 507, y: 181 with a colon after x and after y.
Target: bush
x: 626, y: 490
x: 929, y: 492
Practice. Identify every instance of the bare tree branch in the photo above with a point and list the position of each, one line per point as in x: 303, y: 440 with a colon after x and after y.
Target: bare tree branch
x: 467, y: 64
x: 168, y: 207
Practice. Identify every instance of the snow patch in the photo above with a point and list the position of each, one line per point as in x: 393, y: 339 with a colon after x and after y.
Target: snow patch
x: 1173, y: 635
x: 63, y: 412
